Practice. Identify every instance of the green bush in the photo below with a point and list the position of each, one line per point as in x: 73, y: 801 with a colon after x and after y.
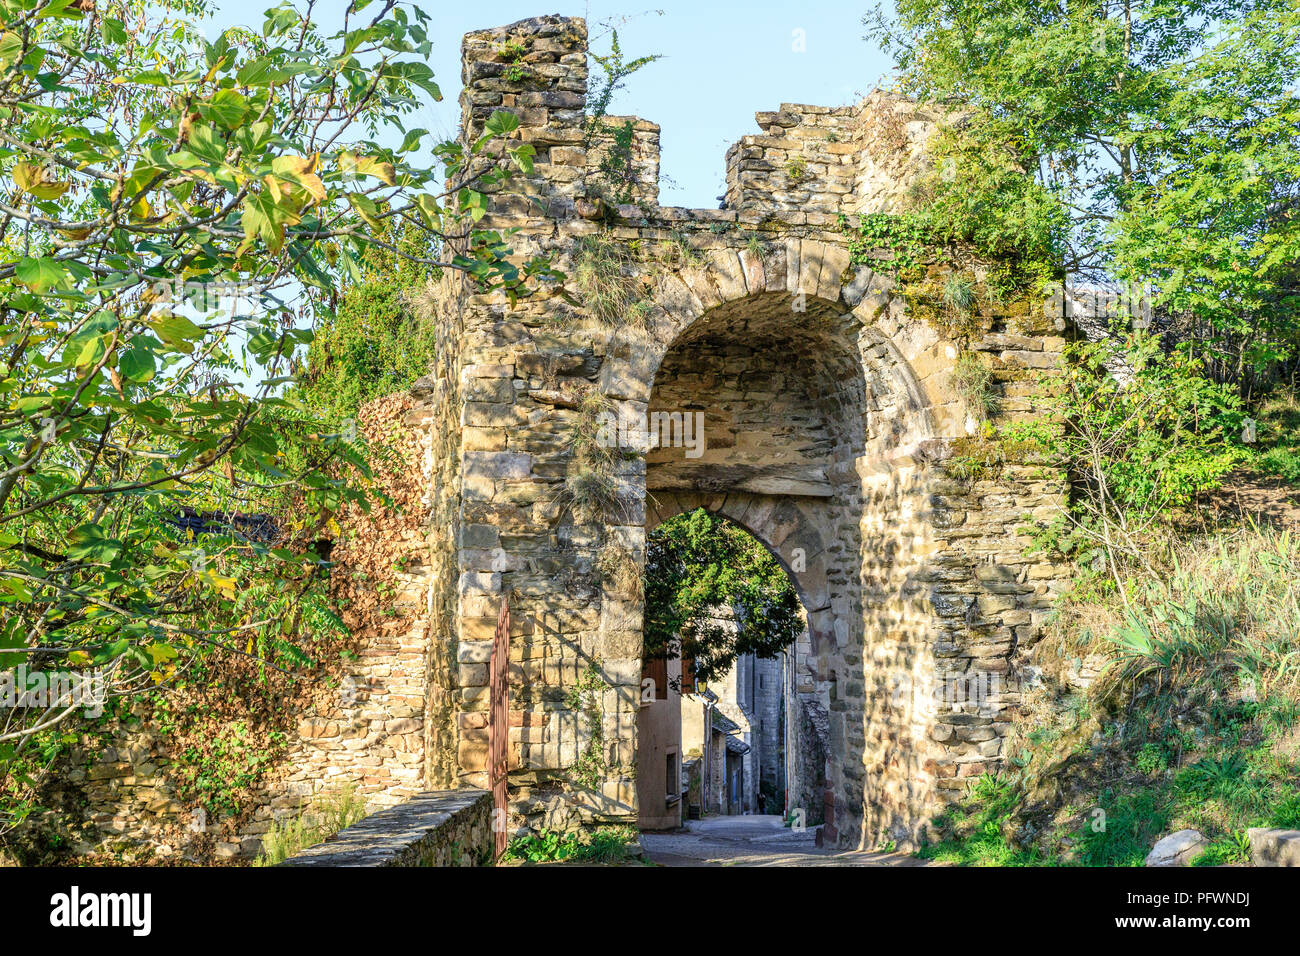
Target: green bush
x: 604, y: 845
x: 1279, y: 436
x: 375, y: 345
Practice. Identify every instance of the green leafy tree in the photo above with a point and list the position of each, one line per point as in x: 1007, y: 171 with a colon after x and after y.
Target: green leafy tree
x: 373, y: 341
x: 713, y: 593
x: 173, y: 213
x: 1142, y: 445
x: 1157, y: 141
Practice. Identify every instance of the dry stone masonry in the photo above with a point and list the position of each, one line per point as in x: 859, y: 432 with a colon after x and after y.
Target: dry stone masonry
x: 439, y: 828
x: 829, y: 421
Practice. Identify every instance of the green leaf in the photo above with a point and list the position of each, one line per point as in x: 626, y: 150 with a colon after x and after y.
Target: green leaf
x: 177, y: 331
x: 137, y: 363
x: 228, y: 108
x: 11, y: 48
x: 89, y: 543
x: 501, y: 123
x: 41, y: 274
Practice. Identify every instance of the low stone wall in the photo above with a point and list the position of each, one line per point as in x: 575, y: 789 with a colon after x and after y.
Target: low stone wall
x: 437, y: 828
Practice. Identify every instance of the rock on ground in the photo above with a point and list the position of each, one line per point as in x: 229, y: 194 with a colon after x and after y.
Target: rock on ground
x: 1177, y: 849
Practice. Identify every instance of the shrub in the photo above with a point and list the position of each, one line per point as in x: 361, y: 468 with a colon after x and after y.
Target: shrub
x: 604, y: 845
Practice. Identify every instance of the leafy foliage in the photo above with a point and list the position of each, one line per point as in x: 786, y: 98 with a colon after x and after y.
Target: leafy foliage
x: 603, y: 845
x: 1144, y: 142
x: 373, y: 342
x: 165, y: 199
x: 1142, y: 443
x: 714, y: 593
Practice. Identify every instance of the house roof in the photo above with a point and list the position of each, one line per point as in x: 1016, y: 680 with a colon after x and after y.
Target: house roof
x: 728, y: 728
x: 723, y: 723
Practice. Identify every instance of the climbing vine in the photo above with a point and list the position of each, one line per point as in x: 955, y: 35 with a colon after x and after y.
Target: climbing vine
x: 900, y: 243
x: 616, y: 175
x: 585, y: 699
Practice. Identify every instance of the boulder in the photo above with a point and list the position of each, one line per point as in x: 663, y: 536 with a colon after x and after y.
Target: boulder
x: 1274, y: 847
x: 1177, y: 849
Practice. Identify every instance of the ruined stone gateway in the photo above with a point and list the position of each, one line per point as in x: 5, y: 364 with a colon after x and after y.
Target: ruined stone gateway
x: 830, y: 423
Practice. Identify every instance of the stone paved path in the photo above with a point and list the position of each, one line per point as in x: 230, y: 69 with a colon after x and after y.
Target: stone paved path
x: 753, y: 841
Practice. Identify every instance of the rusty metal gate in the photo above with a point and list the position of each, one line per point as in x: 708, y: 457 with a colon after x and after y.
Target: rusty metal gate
x: 499, y: 724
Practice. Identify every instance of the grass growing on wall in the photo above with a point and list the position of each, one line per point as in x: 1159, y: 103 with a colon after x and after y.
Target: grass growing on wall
x: 328, y: 815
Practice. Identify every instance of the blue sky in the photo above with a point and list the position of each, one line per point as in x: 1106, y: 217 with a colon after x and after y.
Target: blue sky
x: 722, y: 63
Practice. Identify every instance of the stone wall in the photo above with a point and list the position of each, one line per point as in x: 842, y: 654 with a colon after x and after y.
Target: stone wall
x: 631, y: 176
x: 438, y: 828
x: 769, y: 732
x: 831, y: 417
x: 804, y: 160
x: 849, y: 159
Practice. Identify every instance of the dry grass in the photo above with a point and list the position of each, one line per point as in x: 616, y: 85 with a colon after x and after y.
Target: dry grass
x: 974, y: 383
x: 328, y: 815
x: 606, y: 276
x: 591, y: 490
x: 620, y: 572
x: 616, y: 280
x: 1212, y: 610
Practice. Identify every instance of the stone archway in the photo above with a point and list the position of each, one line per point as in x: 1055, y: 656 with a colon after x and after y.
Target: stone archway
x: 915, y: 578
x: 798, y: 678
x: 813, y: 422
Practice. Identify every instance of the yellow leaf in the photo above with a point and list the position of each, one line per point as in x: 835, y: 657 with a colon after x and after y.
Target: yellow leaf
x: 38, y: 181
x: 300, y: 170
x: 225, y: 585
x: 359, y: 203
x: 368, y: 166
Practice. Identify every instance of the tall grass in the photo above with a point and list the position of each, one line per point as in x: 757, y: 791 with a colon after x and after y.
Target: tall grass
x: 1189, y: 720
x: 329, y: 814
x: 1219, y: 613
